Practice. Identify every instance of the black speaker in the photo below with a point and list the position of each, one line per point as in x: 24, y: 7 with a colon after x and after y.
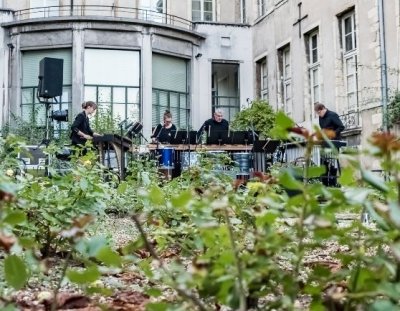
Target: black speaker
x: 50, y: 77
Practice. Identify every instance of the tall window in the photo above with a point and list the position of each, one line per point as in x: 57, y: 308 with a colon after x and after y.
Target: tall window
x: 314, y: 67
x: 202, y: 10
x: 243, y: 12
x: 152, y: 10
x: 225, y: 89
x: 170, y: 89
x: 112, y: 80
x: 262, y: 7
x: 262, y: 81
x: 349, y: 46
x: 286, y: 79
x: 43, y: 8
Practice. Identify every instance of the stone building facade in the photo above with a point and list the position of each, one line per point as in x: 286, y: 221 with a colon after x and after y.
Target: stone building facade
x: 140, y: 57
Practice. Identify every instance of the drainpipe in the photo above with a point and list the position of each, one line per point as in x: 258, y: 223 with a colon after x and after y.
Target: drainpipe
x: 382, y: 48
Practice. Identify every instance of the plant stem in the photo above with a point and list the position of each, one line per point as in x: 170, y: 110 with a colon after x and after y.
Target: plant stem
x: 56, y: 290
x: 242, y: 293
x: 185, y: 294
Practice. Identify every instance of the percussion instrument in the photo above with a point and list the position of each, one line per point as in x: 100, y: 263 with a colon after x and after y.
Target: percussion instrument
x: 244, y: 161
x: 189, y: 159
x: 167, y: 156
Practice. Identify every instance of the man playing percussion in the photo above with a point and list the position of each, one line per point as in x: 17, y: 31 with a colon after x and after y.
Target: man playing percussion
x: 329, y: 120
x: 217, y: 123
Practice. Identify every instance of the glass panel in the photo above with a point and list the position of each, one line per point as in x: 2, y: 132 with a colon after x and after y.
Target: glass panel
x: 26, y: 113
x: 314, y: 56
x: 208, y: 17
x: 40, y: 114
x: 119, y: 111
x: 196, y: 6
x: 133, y: 112
x: 174, y: 100
x: 27, y: 96
x: 119, y: 95
x: 347, y: 25
x: 349, y: 43
x: 315, y: 76
x: 90, y: 93
x: 208, y: 6
x: 316, y: 93
x: 67, y: 94
x: 104, y: 94
x: 133, y: 95
x: 163, y: 99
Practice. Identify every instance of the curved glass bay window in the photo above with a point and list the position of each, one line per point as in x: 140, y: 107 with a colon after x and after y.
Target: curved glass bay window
x: 112, y: 79
x: 32, y: 111
x: 170, y: 89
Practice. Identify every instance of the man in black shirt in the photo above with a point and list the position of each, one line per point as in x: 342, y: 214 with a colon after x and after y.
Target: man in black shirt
x: 329, y: 120
x: 217, y: 124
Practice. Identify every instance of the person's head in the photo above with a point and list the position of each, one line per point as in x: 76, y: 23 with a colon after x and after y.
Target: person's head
x: 218, y: 115
x: 320, y: 109
x: 89, y: 107
x: 167, y: 118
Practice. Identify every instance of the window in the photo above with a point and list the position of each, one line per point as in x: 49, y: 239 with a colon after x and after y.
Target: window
x: 314, y: 67
x: 349, y: 46
x: 286, y: 79
x: 243, y: 13
x: 261, y: 7
x: 44, y: 8
x: 202, y: 10
x: 170, y: 89
x: 115, y: 84
x: 225, y: 89
x: 349, y: 41
x: 262, y: 81
x: 152, y: 10
x: 32, y: 110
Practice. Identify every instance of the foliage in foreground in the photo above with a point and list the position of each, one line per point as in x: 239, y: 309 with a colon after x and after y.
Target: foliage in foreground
x: 242, y: 247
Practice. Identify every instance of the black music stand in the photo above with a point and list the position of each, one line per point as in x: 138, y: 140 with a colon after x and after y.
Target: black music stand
x: 192, y: 137
x: 179, y: 137
x: 218, y: 137
x: 241, y: 138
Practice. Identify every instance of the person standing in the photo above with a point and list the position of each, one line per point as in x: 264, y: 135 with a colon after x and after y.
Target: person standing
x: 329, y: 120
x: 81, y: 131
x: 216, y: 123
x: 164, y: 132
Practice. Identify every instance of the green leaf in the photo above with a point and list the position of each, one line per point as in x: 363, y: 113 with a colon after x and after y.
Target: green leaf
x: 156, y: 196
x: 10, y: 307
x: 283, y: 121
x: 86, y: 276
x: 122, y: 187
x: 153, y: 292
x: 347, y: 176
x: 374, y: 181
x: 109, y: 257
x: 159, y: 306
x: 15, y: 218
x: 83, y: 184
x: 15, y: 271
x: 315, y: 171
x: 288, y: 180
x: 394, y: 213
x: 182, y: 199
x: 383, y: 305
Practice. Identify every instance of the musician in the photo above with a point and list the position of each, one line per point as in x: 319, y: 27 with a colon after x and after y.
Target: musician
x: 81, y: 131
x: 329, y: 120
x: 216, y: 123
x: 163, y: 132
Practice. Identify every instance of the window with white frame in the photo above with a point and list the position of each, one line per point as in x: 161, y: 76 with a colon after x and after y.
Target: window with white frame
x: 287, y: 81
x: 349, y: 46
x: 263, y: 79
x: 314, y: 67
x: 243, y: 11
x: 116, y: 94
x: 262, y: 7
x: 202, y: 10
x: 44, y: 8
x: 152, y: 10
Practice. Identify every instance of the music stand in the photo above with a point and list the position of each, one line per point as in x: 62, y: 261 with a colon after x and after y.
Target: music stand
x: 218, y: 137
x: 242, y: 137
x: 179, y: 137
x: 266, y: 146
x: 192, y: 137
